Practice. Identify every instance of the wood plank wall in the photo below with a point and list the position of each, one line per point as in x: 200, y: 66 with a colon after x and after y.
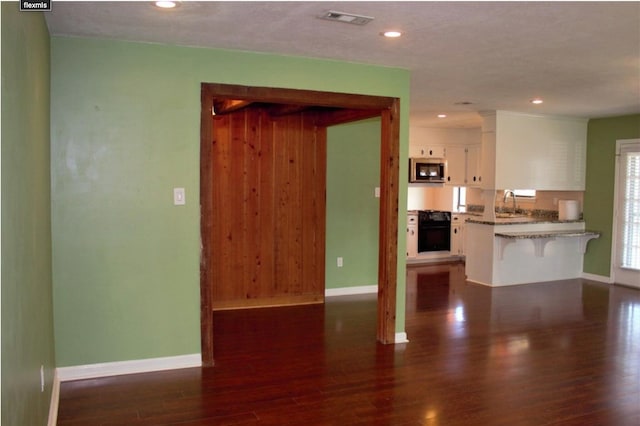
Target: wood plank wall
x: 268, y: 198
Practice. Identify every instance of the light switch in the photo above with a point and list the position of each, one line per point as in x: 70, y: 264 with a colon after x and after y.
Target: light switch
x: 376, y: 192
x: 178, y: 197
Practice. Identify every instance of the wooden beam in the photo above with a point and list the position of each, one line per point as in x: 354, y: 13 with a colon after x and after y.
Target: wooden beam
x: 229, y: 105
x: 299, y: 97
x: 388, y: 245
x: 206, y: 174
x: 280, y: 110
x: 342, y: 116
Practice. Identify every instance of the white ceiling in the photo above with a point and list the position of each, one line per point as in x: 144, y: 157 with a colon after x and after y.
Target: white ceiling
x: 582, y: 58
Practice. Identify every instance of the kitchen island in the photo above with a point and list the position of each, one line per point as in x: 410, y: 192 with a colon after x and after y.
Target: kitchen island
x: 524, y: 249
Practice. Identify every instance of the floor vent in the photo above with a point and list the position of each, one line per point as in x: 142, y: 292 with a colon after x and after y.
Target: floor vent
x: 347, y: 18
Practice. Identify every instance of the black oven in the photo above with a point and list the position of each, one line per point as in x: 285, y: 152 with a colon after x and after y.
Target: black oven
x: 434, y: 231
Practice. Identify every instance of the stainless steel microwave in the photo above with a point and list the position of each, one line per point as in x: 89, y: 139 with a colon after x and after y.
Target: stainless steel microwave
x: 427, y: 170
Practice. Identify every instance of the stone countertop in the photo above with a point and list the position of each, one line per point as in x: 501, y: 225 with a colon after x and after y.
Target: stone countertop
x: 541, y: 238
x: 546, y: 234
x: 518, y: 220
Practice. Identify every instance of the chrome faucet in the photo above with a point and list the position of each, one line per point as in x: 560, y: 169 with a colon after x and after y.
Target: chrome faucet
x: 513, y: 195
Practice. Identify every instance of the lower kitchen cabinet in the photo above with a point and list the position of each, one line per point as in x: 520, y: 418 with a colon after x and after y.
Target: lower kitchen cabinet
x: 457, y: 234
x: 457, y: 240
x: 412, y: 236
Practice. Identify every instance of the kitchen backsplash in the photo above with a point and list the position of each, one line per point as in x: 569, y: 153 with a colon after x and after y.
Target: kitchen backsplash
x: 544, y: 204
x: 430, y: 198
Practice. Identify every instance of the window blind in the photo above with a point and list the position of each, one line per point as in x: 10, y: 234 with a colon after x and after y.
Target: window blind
x: 631, y: 208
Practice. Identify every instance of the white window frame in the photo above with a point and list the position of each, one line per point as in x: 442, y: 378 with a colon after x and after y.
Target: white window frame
x: 525, y: 193
x: 459, y: 192
x: 522, y: 195
x: 621, y: 146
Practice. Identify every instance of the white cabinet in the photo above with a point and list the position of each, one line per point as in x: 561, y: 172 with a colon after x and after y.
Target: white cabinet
x: 474, y: 176
x: 457, y: 235
x: 427, y: 151
x: 492, y: 261
x: 457, y: 240
x: 525, y: 151
x: 463, y: 165
x: 488, y: 161
x: 412, y: 235
x: 456, y: 168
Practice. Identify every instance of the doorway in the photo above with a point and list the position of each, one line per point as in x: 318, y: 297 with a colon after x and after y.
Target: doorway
x: 626, y: 250
x: 329, y: 109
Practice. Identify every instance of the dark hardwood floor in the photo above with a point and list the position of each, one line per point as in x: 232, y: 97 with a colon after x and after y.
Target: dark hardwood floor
x: 560, y: 353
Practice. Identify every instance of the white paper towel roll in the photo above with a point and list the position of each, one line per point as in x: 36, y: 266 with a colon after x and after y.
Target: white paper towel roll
x: 568, y: 210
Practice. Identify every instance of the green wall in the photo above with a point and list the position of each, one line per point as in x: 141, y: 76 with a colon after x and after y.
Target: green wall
x: 125, y: 131
x: 352, y: 209
x: 27, y: 307
x: 602, y: 134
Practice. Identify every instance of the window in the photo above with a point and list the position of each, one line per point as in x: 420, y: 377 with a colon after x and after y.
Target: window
x: 459, y: 198
x: 630, y: 256
x: 523, y: 193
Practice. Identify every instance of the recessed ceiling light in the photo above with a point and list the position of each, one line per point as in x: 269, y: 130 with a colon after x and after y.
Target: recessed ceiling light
x: 166, y: 4
x: 392, y: 34
x: 536, y: 101
x: 442, y: 115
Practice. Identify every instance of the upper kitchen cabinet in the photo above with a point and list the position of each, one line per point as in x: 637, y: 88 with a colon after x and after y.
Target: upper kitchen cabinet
x: 427, y: 151
x: 425, y: 142
x: 463, y: 165
x: 525, y: 151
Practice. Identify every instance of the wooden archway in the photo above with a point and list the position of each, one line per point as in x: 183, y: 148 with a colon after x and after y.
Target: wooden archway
x: 337, y: 108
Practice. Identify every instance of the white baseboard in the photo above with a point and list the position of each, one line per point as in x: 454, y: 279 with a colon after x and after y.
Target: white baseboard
x: 91, y: 371
x: 401, y: 338
x: 599, y: 278
x: 348, y: 291
x: 55, y: 400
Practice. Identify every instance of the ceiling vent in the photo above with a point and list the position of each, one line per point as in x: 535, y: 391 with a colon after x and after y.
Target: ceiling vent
x: 347, y: 18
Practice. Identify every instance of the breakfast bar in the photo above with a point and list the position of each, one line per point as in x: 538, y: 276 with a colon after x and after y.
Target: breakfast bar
x: 519, y: 250
x: 541, y: 238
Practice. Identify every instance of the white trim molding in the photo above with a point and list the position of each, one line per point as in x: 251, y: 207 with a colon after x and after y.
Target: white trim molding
x: 349, y: 291
x: 599, y: 278
x: 106, y: 369
x: 619, y: 274
x: 55, y: 400
x: 401, y: 338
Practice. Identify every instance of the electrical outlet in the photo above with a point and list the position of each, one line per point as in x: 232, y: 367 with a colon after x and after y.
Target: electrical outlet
x: 339, y: 262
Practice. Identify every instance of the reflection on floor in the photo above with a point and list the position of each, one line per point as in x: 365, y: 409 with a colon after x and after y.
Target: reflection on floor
x: 558, y: 353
